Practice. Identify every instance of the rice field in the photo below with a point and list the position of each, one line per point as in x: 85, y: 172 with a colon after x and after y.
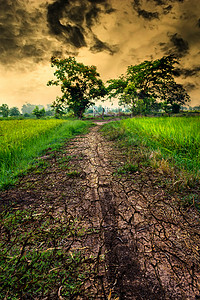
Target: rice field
x: 175, y: 137
x: 23, y: 140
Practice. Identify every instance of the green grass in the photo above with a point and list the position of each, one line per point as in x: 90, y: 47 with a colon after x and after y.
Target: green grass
x: 38, y: 257
x: 177, y: 138
x: 23, y: 140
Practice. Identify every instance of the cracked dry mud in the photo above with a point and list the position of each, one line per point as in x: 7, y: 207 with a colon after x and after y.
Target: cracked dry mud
x: 150, y: 244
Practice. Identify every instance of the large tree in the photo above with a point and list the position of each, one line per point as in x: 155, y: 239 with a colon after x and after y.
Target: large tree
x: 80, y: 85
x: 146, y: 86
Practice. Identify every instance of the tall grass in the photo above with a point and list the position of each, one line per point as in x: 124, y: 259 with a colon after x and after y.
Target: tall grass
x: 23, y: 140
x: 175, y: 137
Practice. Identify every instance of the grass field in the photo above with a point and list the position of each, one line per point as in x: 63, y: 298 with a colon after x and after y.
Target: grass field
x: 23, y: 140
x: 176, y: 139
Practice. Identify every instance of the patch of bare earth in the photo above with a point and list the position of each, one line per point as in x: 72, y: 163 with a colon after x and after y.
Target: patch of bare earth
x: 146, y: 246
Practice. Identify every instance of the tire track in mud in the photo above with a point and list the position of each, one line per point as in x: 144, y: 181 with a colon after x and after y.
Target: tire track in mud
x: 123, y: 269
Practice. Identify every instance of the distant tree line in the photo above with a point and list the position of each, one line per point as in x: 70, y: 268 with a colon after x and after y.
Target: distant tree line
x: 194, y: 107
x: 36, y: 110
x: 28, y: 110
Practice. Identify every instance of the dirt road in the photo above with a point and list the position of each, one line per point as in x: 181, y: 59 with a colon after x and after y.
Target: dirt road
x: 150, y: 245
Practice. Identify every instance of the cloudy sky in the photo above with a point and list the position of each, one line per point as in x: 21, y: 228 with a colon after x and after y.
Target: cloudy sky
x: 110, y: 34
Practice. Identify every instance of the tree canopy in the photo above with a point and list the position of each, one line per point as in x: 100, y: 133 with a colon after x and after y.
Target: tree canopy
x: 80, y: 85
x: 150, y: 86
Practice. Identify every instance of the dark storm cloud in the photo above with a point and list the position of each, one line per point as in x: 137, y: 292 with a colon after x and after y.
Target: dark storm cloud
x: 31, y: 50
x: 159, y: 7
x: 17, y: 31
x: 34, y: 32
x: 54, y: 15
x: 62, y: 10
x: 189, y: 86
x: 60, y: 27
x: 109, y: 9
x: 97, y: 1
x: 76, y: 36
x: 8, y: 32
x: 136, y: 3
x: 159, y: 2
x: 186, y: 72
x: 147, y: 14
x: 100, y: 46
x: 67, y: 22
x: 167, y: 9
x: 72, y: 34
x: 76, y: 14
x: 92, y: 16
x: 176, y: 46
x: 181, y: 47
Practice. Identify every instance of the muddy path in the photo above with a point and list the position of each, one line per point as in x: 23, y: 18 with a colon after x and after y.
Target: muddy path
x: 149, y: 244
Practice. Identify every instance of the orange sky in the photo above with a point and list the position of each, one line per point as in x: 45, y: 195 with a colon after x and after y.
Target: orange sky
x: 110, y: 34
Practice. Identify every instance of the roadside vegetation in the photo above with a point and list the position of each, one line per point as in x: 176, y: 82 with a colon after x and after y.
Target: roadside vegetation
x: 21, y: 141
x: 170, y: 145
x: 175, y: 139
x: 37, y: 257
